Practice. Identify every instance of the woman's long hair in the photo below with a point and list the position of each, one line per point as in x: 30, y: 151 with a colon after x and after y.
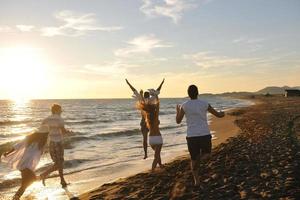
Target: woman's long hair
x: 37, y: 137
x: 150, y: 112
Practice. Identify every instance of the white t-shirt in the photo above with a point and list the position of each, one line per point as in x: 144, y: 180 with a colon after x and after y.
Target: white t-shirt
x: 196, y: 117
x: 55, y: 123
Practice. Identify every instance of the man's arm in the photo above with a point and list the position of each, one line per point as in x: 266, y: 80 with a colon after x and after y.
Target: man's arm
x: 63, y: 129
x: 180, y: 114
x: 159, y: 87
x: 131, y: 87
x: 214, y: 112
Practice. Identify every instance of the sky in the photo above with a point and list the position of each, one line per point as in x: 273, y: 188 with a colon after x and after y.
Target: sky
x: 86, y: 48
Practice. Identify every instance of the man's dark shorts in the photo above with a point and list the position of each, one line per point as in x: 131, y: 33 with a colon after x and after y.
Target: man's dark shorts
x: 199, y: 145
x: 57, y: 152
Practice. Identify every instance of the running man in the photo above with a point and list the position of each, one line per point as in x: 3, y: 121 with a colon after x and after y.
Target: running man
x: 57, y: 130
x: 198, y: 133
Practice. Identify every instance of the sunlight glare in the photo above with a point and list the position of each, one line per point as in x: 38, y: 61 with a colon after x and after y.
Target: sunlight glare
x: 23, y: 72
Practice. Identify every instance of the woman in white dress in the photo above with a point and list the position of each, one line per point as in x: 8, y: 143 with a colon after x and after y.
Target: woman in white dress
x: 25, y: 156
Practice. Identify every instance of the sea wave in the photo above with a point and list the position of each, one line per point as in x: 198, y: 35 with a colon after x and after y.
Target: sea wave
x: 88, y: 121
x: 78, y: 137
x: 15, y: 122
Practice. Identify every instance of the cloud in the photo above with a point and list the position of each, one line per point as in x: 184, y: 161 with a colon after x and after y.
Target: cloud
x: 141, y: 44
x: 5, y: 29
x: 247, y: 40
x: 25, y: 28
x: 106, y: 70
x: 173, y: 9
x: 76, y: 25
x: 209, y: 60
x: 219, y: 63
x: 16, y: 28
x: 253, y: 44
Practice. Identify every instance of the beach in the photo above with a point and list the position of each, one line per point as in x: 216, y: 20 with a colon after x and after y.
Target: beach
x: 222, y: 129
x: 261, y: 161
x: 106, y: 144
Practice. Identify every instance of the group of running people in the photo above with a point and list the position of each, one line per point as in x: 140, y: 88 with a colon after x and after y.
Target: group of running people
x: 25, y: 155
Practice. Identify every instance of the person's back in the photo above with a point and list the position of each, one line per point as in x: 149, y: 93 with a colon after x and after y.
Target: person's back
x: 196, y: 117
x: 198, y: 134
x: 152, y: 119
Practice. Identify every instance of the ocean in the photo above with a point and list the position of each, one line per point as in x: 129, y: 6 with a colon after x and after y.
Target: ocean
x: 106, y: 143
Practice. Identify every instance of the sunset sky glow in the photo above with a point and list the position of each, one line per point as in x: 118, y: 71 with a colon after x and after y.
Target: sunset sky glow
x: 85, y: 49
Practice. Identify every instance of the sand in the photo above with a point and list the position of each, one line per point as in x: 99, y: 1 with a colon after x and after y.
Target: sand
x: 223, y: 129
x: 262, y: 161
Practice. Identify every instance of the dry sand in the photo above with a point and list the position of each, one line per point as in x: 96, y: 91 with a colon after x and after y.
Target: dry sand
x: 224, y: 128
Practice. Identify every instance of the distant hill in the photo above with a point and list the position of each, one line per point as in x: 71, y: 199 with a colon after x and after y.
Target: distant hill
x: 236, y: 94
x: 275, y: 89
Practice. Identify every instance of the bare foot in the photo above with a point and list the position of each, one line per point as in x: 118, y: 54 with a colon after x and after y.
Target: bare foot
x: 43, y: 179
x: 64, y: 184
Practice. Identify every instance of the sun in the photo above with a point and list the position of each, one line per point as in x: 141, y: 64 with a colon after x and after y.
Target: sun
x: 23, y: 72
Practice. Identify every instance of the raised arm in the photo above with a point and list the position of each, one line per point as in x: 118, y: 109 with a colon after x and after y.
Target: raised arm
x: 180, y: 114
x: 214, y: 112
x: 131, y: 87
x: 142, y: 96
x: 159, y: 87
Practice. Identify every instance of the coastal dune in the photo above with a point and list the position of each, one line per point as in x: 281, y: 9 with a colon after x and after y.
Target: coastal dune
x: 261, y: 162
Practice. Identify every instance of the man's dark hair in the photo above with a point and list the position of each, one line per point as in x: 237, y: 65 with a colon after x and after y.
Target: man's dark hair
x: 146, y: 94
x: 193, y: 91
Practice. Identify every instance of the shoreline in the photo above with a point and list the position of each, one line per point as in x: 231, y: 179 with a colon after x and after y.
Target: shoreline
x: 85, y: 180
x: 261, y: 162
x: 222, y: 128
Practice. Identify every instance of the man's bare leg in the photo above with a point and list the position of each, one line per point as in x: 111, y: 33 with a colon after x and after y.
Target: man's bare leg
x: 45, y: 174
x: 61, y: 175
x: 194, y: 168
x: 195, y: 164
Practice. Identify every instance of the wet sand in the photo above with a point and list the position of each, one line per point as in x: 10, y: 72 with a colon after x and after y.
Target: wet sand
x: 261, y: 162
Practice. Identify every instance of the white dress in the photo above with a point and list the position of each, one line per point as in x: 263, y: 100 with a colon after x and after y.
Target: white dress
x: 23, y: 156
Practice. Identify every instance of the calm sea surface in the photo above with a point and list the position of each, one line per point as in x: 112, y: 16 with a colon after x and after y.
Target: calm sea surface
x: 105, y: 145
